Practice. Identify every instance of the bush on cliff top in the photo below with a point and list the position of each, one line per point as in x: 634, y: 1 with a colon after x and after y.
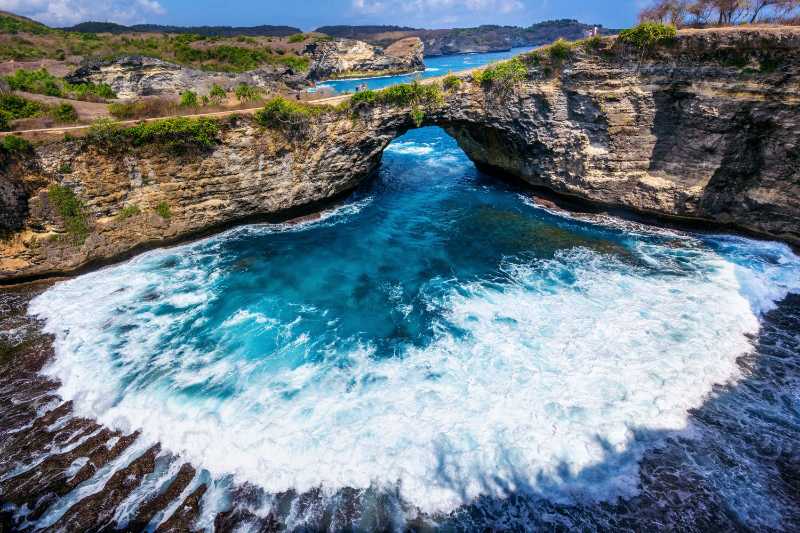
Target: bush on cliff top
x: 648, y: 35
x: 15, y: 145
x: 292, y: 118
x: 177, y: 133
x: 504, y: 74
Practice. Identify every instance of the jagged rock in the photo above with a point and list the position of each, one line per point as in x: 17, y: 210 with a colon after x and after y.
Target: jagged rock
x: 347, y: 58
x: 707, y: 128
x: 133, y: 76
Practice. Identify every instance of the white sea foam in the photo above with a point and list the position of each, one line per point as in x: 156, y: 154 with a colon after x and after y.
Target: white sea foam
x: 410, y: 148
x: 543, y: 391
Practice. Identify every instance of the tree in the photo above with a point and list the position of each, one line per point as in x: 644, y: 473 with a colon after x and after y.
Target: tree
x: 726, y: 12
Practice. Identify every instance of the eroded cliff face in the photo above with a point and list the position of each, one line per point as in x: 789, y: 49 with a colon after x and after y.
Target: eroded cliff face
x: 133, y: 76
x: 346, y: 58
x: 707, y: 128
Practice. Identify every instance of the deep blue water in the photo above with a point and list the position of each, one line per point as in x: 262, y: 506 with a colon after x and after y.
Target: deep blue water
x: 439, y: 339
x: 434, y: 66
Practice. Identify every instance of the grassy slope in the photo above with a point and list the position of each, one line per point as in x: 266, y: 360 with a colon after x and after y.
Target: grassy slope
x: 22, y: 39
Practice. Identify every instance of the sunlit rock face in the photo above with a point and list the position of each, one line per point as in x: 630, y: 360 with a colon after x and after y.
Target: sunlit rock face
x: 134, y: 76
x: 706, y: 129
x: 347, y: 58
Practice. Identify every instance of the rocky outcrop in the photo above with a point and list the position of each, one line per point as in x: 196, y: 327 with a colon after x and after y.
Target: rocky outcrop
x: 134, y: 76
x: 349, y: 58
x: 706, y: 128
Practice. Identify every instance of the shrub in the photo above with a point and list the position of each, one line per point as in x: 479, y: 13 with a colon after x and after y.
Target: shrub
x: 291, y: 117
x: 71, y: 211
x: 65, y: 168
x: 217, y: 93
x: 5, y: 121
x: 247, y: 93
x: 560, y: 50
x: 178, y: 132
x: 103, y: 131
x: 297, y: 38
x: 15, y: 107
x: 64, y: 113
x: 591, y: 44
x: 296, y: 63
x: 188, y: 99
x: 15, y: 145
x: 451, y: 83
x: 128, y: 211
x: 503, y: 75
x: 648, y: 35
x: 163, y: 210
x: 42, y: 82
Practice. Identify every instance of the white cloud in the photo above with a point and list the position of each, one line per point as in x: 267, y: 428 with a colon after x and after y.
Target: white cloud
x: 68, y: 12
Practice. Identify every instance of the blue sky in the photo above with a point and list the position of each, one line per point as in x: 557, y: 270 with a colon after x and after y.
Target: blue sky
x: 308, y: 14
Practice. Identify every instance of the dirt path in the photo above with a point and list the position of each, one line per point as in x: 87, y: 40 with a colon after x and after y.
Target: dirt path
x: 96, y: 112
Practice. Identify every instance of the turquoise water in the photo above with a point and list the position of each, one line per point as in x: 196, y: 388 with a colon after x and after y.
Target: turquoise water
x: 434, y: 66
x: 439, y: 336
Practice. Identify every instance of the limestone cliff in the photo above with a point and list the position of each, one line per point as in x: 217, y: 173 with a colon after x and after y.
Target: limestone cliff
x: 133, y: 76
x: 347, y: 58
x: 706, y: 128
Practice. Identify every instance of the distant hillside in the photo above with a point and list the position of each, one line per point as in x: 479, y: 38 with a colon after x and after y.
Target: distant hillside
x: 206, y: 31
x: 353, y: 32
x: 486, y: 38
x: 13, y: 24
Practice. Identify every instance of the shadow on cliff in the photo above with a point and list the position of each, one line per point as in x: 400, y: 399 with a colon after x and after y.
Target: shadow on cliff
x: 735, y: 467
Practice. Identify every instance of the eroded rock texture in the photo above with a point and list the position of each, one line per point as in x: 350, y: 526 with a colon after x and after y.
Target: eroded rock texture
x: 133, y: 76
x: 706, y: 128
x: 348, y: 57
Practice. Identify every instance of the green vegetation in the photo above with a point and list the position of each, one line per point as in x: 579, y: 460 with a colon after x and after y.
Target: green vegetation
x: 128, y: 211
x: 13, y: 107
x: 591, y: 44
x: 217, y: 93
x: 503, y: 75
x: 177, y: 134
x: 560, y: 51
x: 420, y: 96
x: 163, y: 210
x: 42, y: 82
x: 292, y: 118
x: 65, y: 168
x: 15, y: 145
x: 451, y: 83
x: 64, y: 113
x: 297, y: 38
x: 247, y: 93
x: 414, y: 93
x: 188, y: 99
x: 14, y: 25
x: 24, y: 40
x: 71, y: 211
x: 648, y: 34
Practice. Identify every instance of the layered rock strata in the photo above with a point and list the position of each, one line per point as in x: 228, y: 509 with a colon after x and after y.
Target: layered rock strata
x: 705, y: 128
x: 134, y: 76
x: 349, y: 58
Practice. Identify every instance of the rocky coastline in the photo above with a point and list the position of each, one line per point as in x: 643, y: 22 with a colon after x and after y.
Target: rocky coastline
x: 706, y: 129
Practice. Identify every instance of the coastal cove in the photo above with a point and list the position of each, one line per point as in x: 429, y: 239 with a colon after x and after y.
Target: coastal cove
x: 434, y: 67
x: 536, y: 290
x: 395, y: 316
